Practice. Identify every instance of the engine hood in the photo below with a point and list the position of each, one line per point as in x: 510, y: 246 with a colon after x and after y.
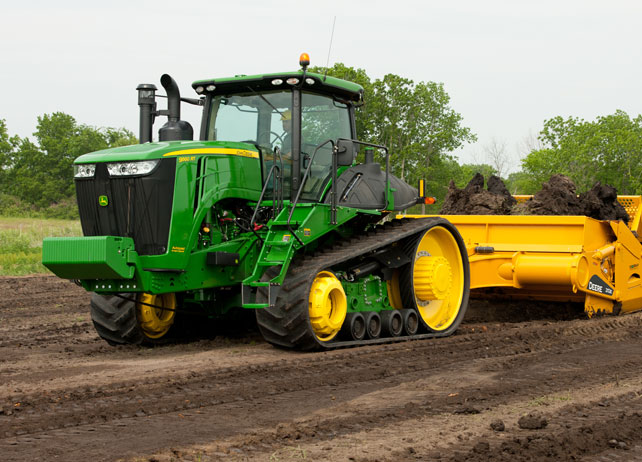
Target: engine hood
x: 159, y: 150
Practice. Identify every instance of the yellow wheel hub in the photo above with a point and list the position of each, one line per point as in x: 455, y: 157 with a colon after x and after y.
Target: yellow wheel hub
x: 438, y: 278
x: 432, y: 277
x: 155, y: 322
x: 328, y: 306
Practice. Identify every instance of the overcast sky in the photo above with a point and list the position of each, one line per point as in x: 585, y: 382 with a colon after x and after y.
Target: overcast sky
x: 507, y: 65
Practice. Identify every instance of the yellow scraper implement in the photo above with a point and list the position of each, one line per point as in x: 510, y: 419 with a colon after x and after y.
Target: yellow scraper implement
x: 557, y: 258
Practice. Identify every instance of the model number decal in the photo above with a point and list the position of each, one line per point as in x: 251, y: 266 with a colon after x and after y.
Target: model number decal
x: 186, y: 158
x: 599, y: 286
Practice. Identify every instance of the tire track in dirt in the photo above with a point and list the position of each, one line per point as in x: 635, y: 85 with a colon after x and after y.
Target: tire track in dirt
x: 575, y: 431
x: 199, y: 389
x: 400, y: 408
x: 106, y: 394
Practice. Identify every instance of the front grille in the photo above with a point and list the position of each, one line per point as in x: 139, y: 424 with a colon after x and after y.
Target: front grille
x: 138, y: 207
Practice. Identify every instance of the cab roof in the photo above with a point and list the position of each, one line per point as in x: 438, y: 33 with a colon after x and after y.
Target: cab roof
x: 317, y: 83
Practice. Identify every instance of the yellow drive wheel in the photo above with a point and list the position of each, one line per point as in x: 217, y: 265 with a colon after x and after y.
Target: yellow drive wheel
x: 436, y: 282
x: 328, y: 306
x: 155, y: 322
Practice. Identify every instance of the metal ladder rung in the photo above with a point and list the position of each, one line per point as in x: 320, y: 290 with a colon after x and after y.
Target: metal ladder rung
x: 270, y: 263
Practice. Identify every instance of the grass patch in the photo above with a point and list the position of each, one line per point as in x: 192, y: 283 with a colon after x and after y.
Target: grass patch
x: 21, y: 242
x: 12, y: 206
x: 549, y: 399
x: 289, y: 453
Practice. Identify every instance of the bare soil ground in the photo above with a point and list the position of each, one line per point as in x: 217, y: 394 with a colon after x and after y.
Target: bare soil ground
x: 553, y: 385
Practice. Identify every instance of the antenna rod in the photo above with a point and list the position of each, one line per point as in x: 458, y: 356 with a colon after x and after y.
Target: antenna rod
x: 327, y: 63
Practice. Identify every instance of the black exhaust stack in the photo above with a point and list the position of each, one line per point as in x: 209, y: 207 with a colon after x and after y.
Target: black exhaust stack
x: 147, y: 104
x: 175, y: 129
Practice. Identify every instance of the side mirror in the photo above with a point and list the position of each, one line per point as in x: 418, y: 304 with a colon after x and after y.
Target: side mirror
x: 345, y: 153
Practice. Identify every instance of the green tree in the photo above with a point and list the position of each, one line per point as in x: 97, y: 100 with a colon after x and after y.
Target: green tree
x: 522, y: 183
x: 467, y: 171
x: 41, y: 172
x: 395, y: 121
x: 364, y: 122
x: 7, y: 152
x: 36, y: 179
x: 414, y: 120
x: 119, y: 137
x: 447, y: 169
x: 608, y: 150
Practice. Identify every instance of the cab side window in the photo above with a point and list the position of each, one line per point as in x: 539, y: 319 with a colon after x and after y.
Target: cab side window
x: 322, y: 119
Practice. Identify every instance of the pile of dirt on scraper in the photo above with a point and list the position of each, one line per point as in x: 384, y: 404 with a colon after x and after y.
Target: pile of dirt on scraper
x: 558, y: 196
x: 475, y: 200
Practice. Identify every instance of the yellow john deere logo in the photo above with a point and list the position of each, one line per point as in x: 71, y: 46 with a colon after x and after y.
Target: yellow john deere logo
x: 103, y: 201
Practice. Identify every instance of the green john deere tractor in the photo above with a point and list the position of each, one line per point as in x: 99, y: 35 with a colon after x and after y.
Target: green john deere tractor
x: 267, y: 211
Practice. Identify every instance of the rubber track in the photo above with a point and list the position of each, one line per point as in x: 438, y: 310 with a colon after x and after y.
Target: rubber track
x: 287, y: 324
x: 115, y: 319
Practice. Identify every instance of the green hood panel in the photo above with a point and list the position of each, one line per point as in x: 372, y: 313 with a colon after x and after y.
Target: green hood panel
x: 159, y: 150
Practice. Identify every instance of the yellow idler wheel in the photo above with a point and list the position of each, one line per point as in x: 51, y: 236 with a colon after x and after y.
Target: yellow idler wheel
x: 394, y: 294
x: 438, y: 278
x: 155, y: 322
x: 328, y: 306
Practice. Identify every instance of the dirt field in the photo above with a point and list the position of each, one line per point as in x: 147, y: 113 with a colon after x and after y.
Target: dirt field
x: 562, y: 388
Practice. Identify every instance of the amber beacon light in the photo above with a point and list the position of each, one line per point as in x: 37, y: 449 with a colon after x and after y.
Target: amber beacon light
x: 304, y: 60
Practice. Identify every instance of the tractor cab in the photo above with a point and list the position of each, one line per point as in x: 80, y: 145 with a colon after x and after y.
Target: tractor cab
x: 266, y: 120
x: 290, y: 118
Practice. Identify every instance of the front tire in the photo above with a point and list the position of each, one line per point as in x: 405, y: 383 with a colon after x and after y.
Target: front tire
x: 122, y: 321
x: 309, y: 311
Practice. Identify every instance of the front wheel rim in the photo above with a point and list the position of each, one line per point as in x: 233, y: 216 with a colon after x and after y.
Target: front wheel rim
x: 155, y: 321
x: 328, y: 306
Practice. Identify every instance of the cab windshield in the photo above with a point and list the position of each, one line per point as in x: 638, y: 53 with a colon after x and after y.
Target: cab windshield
x: 265, y: 120
x: 249, y: 117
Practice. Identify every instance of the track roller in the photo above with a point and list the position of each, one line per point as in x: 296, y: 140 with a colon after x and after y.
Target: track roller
x: 410, y: 322
x: 391, y: 323
x: 354, y: 327
x: 373, y: 324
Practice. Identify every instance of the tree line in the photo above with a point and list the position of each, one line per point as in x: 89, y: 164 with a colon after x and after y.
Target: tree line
x: 38, y: 173
x: 608, y: 150
x: 421, y: 130
x: 413, y: 119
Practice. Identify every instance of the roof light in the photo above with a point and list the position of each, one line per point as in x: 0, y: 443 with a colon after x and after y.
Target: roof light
x: 210, y: 87
x: 199, y: 89
x: 292, y: 80
x: 277, y: 82
x: 309, y: 81
x: 304, y: 60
